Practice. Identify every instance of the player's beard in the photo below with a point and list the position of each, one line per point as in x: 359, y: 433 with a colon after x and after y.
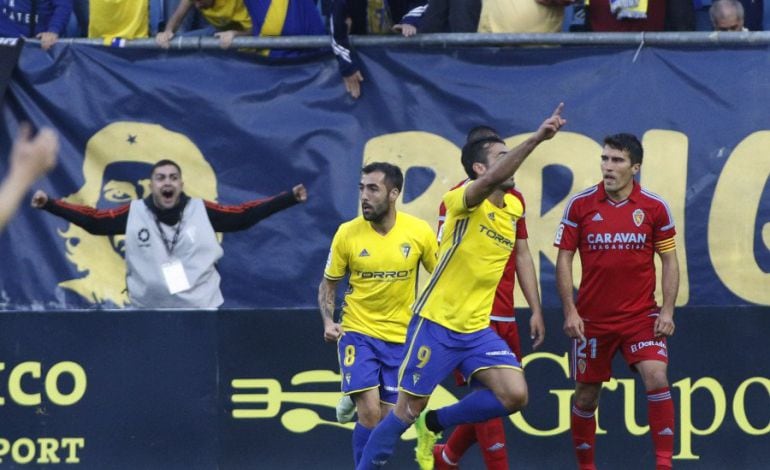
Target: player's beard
x: 376, y: 213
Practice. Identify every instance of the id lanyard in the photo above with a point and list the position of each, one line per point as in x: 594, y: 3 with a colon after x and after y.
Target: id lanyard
x: 170, y: 246
x: 173, y: 271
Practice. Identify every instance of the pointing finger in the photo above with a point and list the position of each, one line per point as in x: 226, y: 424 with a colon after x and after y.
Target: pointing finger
x: 558, y: 110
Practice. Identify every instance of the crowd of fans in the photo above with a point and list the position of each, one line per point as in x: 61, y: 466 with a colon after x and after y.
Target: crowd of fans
x: 114, y: 21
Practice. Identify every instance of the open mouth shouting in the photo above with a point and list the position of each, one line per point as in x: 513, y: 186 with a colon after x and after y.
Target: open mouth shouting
x: 168, y: 197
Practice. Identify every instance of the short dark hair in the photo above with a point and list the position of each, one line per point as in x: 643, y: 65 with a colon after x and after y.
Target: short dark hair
x: 476, y: 151
x: 393, y: 176
x: 627, y: 143
x: 481, y: 132
x: 165, y: 162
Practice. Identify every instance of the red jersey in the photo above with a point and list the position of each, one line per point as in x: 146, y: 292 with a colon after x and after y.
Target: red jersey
x: 503, y: 303
x: 617, y: 242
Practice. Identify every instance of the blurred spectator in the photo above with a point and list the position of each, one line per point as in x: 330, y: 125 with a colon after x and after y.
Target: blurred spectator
x: 284, y: 18
x: 522, y: 16
x: 616, y: 16
x: 453, y: 16
x: 42, y: 19
x: 31, y: 158
x: 80, y: 10
x: 228, y: 19
x: 192, y: 21
x: 753, y: 14
x: 680, y: 15
x: 114, y: 20
x: 364, y: 17
x: 490, y: 16
x: 727, y: 15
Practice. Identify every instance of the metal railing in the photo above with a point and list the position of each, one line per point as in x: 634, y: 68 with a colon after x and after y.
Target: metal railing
x: 700, y: 38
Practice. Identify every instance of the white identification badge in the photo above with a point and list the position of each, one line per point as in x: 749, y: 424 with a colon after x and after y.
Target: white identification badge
x: 176, y: 279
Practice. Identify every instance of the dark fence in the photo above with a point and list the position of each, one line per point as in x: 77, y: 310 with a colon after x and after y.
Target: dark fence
x: 257, y: 389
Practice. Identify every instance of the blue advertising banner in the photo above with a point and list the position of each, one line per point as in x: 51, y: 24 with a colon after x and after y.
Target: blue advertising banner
x: 254, y: 130
x: 238, y: 390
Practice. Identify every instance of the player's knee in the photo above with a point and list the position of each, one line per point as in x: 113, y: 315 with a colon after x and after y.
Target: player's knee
x: 369, y: 416
x: 586, y: 401
x: 515, y: 399
x: 409, y: 408
x: 656, y: 380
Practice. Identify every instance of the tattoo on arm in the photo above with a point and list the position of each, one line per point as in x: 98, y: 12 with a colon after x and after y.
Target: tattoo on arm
x: 326, y: 292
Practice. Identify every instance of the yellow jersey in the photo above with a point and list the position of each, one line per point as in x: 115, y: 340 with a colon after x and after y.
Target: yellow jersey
x: 226, y: 15
x: 383, y: 273
x: 475, y: 247
x: 127, y: 19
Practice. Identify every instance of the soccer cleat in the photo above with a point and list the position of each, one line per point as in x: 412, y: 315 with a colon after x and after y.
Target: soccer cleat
x: 438, y: 457
x: 346, y: 409
x: 426, y: 439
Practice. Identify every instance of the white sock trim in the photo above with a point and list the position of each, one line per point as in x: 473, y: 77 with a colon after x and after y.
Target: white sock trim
x: 446, y: 459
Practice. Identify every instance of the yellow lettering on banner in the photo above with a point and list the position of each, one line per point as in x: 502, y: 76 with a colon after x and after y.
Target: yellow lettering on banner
x: 48, y: 447
x: 665, y: 161
x: 23, y: 450
x: 629, y: 405
x: 78, y: 376
x: 733, y: 218
x: 686, y: 388
x: 25, y: 456
x: 577, y: 153
x: 5, y: 446
x: 563, y: 398
x: 2, y: 400
x: 73, y: 443
x: 415, y: 149
x: 14, y: 383
x: 739, y: 406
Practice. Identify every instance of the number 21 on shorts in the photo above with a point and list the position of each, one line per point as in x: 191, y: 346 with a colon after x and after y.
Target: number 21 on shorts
x: 580, y: 352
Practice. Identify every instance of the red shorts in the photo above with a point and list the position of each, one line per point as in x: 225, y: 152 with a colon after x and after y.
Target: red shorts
x: 591, y: 361
x: 509, y: 332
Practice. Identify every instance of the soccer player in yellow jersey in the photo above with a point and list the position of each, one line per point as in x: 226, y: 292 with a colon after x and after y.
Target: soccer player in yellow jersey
x: 450, y: 328
x: 381, y: 252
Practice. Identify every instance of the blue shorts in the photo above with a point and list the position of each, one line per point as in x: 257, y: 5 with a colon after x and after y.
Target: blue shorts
x: 433, y: 351
x: 367, y: 363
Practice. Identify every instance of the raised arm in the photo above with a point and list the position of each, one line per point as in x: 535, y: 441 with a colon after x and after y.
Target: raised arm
x: 233, y: 218
x: 94, y: 221
x: 507, y: 165
x: 30, y: 159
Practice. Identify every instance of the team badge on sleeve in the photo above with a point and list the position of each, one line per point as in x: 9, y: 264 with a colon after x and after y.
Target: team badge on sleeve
x: 638, y: 217
x: 559, y: 233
